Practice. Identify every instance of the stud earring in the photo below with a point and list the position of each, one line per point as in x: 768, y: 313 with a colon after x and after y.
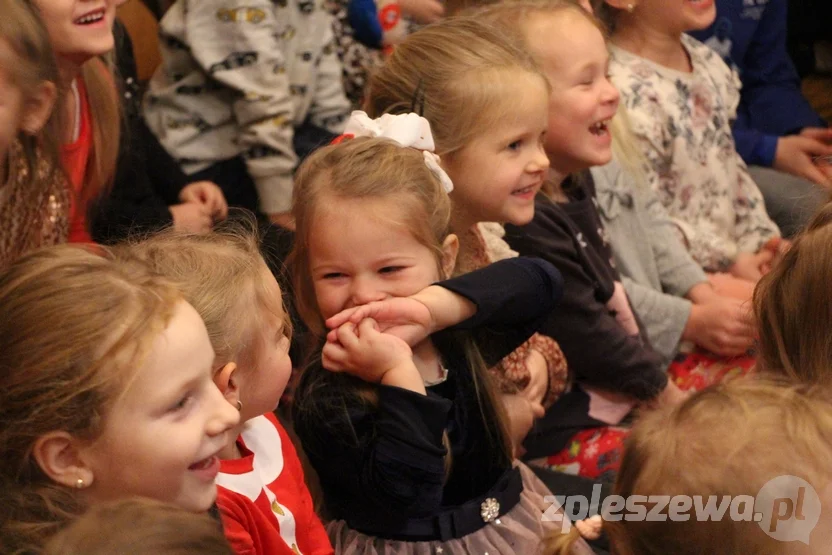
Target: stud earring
x: 79, y: 484
x: 631, y: 8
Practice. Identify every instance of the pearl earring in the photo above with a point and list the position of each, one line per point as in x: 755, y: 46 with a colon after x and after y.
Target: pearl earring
x: 631, y: 8
x: 80, y: 483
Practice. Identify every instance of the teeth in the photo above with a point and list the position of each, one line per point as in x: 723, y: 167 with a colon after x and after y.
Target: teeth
x: 599, y: 127
x: 90, y: 18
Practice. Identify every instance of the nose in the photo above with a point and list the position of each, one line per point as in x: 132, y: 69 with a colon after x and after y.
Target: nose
x: 223, y: 416
x: 610, y: 94
x: 539, y: 161
x: 365, y: 289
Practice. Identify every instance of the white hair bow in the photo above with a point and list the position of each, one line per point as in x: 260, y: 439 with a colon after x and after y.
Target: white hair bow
x: 408, y: 130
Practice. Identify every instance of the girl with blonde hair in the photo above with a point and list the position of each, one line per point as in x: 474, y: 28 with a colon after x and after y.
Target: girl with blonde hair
x: 398, y: 416
x: 34, y: 195
x: 107, y: 393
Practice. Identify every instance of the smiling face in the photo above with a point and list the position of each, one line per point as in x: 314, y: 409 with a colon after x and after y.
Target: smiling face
x: 497, y: 175
x: 162, y: 437
x: 359, y: 254
x: 675, y: 16
x: 574, y: 57
x: 79, y: 29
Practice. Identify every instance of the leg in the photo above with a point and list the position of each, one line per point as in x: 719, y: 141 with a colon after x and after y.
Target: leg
x: 790, y: 201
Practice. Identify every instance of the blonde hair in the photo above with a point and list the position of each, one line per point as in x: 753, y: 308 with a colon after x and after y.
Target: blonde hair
x: 756, y: 430
x: 793, y: 307
x: 454, y: 74
x: 223, y: 275
x: 140, y: 527
x: 372, y: 168
x: 63, y: 363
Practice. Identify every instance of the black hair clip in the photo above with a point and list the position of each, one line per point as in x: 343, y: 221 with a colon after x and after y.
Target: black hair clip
x: 418, y: 100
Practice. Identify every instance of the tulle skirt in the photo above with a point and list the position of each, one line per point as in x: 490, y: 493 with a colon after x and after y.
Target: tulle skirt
x: 520, y: 531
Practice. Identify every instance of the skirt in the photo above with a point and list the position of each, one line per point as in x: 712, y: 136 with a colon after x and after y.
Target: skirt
x: 520, y: 531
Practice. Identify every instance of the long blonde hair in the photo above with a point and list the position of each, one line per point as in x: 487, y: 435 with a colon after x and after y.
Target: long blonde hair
x: 457, y: 74
x: 223, y: 275
x: 63, y: 364
x: 140, y: 527
x: 793, y: 307
x: 756, y: 430
x: 370, y: 168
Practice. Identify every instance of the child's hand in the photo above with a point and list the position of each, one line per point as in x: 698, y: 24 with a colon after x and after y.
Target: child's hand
x: 751, y: 266
x: 778, y: 247
x: 403, y: 317
x: 207, y: 194
x: 795, y: 154
x: 422, y: 11
x: 191, y: 217
x: 521, y: 416
x: 722, y: 325
x: 366, y: 353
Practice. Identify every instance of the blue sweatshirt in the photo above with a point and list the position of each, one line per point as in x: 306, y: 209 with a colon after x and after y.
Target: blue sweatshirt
x: 751, y: 36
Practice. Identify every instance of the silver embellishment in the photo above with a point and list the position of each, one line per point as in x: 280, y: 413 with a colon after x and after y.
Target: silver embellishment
x: 490, y: 509
x: 443, y: 377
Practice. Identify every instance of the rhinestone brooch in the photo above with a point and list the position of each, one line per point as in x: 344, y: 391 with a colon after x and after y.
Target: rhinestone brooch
x: 490, y: 509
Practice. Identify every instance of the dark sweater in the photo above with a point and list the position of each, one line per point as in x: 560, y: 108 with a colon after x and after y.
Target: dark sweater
x: 598, y: 350
x: 382, y: 463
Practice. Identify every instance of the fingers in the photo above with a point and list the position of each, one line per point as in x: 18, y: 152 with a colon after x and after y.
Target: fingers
x: 334, y: 357
x: 334, y: 322
x: 823, y: 134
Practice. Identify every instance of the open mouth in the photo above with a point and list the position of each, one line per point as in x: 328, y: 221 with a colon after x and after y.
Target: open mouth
x: 204, y: 464
x: 525, y: 190
x: 601, y: 128
x: 92, y: 17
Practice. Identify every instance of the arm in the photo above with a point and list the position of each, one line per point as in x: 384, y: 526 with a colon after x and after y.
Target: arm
x: 663, y: 316
x: 246, y: 57
x: 753, y: 226
x: 597, y: 348
x: 388, y: 453
x: 330, y: 106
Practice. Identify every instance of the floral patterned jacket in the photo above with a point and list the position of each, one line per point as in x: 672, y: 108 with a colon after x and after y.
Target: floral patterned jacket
x: 683, y: 124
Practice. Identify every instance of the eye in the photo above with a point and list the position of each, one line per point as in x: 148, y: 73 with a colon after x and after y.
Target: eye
x: 390, y: 269
x: 333, y: 275
x: 515, y: 145
x: 183, y: 403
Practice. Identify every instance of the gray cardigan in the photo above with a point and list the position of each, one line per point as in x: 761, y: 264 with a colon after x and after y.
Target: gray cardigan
x: 655, y: 267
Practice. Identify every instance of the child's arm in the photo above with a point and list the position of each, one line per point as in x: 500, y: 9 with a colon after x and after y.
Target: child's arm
x: 239, y: 49
x: 330, y: 106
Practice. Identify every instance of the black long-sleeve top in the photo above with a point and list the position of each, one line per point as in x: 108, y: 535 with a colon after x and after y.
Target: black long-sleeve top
x: 597, y: 348
x: 381, y: 462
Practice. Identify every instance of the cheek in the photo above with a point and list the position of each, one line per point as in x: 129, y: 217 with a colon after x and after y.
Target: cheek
x: 328, y: 299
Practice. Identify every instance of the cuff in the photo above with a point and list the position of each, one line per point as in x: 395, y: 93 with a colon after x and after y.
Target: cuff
x: 765, y: 150
x: 275, y: 192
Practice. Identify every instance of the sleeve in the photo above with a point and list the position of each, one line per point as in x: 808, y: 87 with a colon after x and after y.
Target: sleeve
x: 753, y: 226
x: 330, y: 106
x: 597, y: 348
x: 513, y: 298
x: 771, y: 86
x: 755, y: 148
x: 312, y: 539
x: 247, y: 57
x: 389, y: 453
x: 663, y: 316
x: 678, y: 272
x: 235, y: 530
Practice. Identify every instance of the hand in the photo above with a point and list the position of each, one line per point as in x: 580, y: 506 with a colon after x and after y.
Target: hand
x: 702, y: 293
x: 366, y: 353
x: 283, y: 219
x: 751, y: 266
x: 404, y: 317
x: 795, y: 155
x: 422, y: 11
x: 207, y: 194
x: 669, y: 397
x: 521, y: 416
x: 191, y: 217
x: 538, y: 368
x: 778, y: 247
x: 723, y: 326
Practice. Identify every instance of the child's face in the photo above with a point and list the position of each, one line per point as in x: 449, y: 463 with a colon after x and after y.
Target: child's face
x: 162, y: 437
x: 358, y: 253
x: 582, y: 101
x: 263, y: 385
x: 675, y: 16
x: 497, y: 175
x: 79, y: 29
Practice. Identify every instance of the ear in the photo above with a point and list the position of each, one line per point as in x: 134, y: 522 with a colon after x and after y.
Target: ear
x: 38, y: 107
x: 59, y: 456
x: 450, y: 250
x: 226, y: 380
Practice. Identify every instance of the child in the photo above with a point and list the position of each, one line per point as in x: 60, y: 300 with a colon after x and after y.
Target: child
x: 486, y: 102
x: 791, y: 306
x: 140, y: 527
x: 265, y: 505
x: 236, y: 82
x: 34, y: 195
x: 681, y: 98
x: 743, y: 425
x: 406, y: 435
x: 93, y: 412
x: 89, y: 112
